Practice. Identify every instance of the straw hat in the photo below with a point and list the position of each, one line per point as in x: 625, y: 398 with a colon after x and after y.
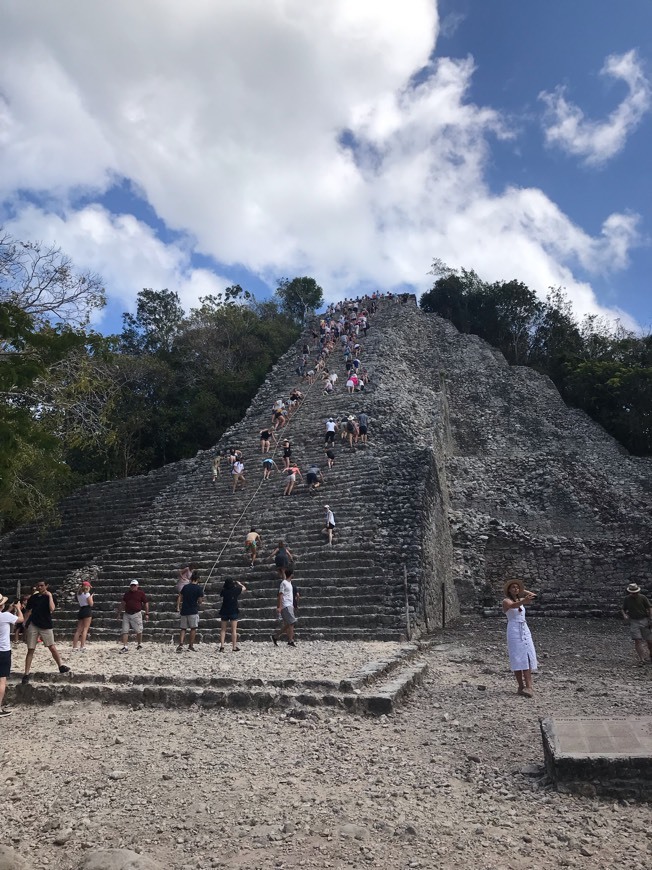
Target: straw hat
x: 633, y: 588
x: 3, y: 600
x: 508, y: 583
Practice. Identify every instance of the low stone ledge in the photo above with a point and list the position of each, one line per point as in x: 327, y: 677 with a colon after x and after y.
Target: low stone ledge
x: 372, y: 671
x: 384, y: 701
x: 233, y: 695
x: 591, y: 756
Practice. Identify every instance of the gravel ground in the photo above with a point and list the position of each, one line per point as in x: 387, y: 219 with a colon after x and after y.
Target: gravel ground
x: 308, y: 660
x: 446, y: 781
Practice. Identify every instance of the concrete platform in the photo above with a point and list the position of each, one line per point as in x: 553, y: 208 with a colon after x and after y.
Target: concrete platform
x: 600, y: 756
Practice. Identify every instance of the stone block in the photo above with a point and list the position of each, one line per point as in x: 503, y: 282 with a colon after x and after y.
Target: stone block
x: 599, y: 756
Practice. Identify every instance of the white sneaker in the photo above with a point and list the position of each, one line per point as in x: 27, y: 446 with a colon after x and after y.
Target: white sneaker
x: 124, y: 649
x: 83, y: 649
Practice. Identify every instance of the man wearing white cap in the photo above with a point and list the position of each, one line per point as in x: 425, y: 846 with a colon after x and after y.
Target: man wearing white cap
x: 131, y: 609
x: 637, y: 611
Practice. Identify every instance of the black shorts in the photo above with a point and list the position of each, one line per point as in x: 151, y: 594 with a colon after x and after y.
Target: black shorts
x: 5, y: 663
x: 85, y: 612
x: 229, y: 616
x: 363, y: 430
x: 330, y: 437
x: 311, y: 478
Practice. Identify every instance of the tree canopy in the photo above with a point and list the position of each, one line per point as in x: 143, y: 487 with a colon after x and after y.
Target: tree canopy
x: 78, y: 407
x: 299, y: 297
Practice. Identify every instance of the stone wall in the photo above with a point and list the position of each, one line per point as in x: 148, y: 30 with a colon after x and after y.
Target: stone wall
x: 537, y: 489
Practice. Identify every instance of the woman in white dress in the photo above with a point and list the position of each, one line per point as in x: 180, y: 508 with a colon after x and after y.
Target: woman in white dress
x: 522, y: 655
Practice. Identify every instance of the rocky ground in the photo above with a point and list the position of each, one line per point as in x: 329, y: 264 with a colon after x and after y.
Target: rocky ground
x: 312, y: 661
x: 452, y: 779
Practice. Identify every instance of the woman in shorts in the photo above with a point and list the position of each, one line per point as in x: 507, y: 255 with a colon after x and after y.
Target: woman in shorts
x: 229, y: 611
x: 253, y: 542
x: 84, y: 616
x: 287, y: 454
x: 283, y: 558
x: 292, y: 473
x: 265, y: 440
x: 268, y: 466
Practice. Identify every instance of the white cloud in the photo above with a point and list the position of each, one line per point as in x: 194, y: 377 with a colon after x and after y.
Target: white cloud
x: 229, y: 119
x: 125, y: 251
x: 598, y: 141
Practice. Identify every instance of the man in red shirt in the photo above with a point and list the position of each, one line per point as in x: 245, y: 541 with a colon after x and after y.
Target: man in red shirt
x: 131, y: 608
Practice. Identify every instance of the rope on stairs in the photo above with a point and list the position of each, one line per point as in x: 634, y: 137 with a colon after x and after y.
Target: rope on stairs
x: 246, y: 507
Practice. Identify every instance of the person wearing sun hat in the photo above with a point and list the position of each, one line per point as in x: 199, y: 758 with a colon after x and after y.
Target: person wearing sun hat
x: 637, y: 611
x: 7, y: 620
x: 522, y: 655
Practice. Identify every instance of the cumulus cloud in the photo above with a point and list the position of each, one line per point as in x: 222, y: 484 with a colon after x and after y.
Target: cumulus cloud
x: 597, y: 141
x: 282, y: 136
x: 125, y: 251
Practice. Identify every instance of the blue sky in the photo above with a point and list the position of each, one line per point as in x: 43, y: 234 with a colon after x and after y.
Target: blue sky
x: 195, y: 145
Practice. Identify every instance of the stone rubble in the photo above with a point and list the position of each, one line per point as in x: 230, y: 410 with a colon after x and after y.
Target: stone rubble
x: 453, y: 778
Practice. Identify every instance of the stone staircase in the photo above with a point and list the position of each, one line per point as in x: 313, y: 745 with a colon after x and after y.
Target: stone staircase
x: 475, y: 471
x: 356, y: 589
x: 93, y: 518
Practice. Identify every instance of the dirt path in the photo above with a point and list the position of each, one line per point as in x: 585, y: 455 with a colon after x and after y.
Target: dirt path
x: 445, y: 782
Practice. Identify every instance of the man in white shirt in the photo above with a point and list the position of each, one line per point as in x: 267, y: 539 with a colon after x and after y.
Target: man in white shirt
x: 285, y: 610
x: 331, y: 429
x: 238, y: 474
x: 7, y: 621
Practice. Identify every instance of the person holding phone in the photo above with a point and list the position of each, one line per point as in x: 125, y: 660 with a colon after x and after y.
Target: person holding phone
x: 38, y: 619
x: 8, y: 618
x: 84, y: 615
x: 522, y: 655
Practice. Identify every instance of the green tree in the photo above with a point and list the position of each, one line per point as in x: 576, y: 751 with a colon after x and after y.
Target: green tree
x: 44, y: 304
x: 618, y: 396
x: 557, y: 336
x: 155, y: 325
x: 299, y: 297
x: 35, y: 409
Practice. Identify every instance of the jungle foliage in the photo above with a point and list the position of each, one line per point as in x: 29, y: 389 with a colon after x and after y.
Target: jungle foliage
x: 78, y: 407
